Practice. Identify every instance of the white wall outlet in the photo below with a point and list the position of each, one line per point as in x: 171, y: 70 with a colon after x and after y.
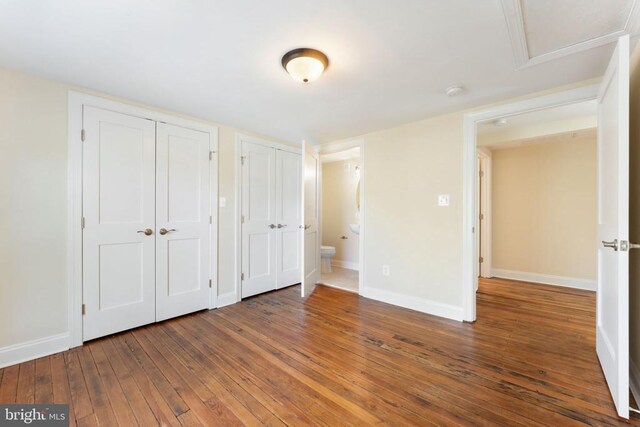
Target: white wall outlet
x: 443, y: 200
x: 385, y: 270
x: 223, y: 202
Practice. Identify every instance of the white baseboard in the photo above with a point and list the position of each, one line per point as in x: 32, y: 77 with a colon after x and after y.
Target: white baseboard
x: 227, y: 299
x: 569, y: 282
x: 634, y: 380
x: 345, y: 264
x: 414, y: 303
x: 34, y: 349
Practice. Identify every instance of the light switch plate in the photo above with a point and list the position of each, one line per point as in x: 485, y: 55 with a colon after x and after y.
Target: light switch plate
x: 443, y: 200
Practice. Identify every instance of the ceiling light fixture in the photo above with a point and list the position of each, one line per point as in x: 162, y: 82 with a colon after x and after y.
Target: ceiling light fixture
x: 305, y: 65
x: 454, y: 90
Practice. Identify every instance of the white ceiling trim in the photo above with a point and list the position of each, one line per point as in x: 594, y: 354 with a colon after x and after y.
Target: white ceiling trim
x: 515, y: 23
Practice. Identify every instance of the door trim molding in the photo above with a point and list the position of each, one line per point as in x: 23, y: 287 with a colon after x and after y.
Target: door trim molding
x: 240, y: 138
x: 334, y: 147
x: 469, y: 171
x: 486, y: 243
x: 76, y: 102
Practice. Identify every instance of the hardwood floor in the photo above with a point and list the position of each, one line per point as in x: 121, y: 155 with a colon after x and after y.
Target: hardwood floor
x: 338, y: 359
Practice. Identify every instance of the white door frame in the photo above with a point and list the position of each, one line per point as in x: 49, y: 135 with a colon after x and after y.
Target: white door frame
x: 342, y: 146
x: 240, y: 138
x: 76, y: 101
x: 485, y: 201
x: 469, y: 171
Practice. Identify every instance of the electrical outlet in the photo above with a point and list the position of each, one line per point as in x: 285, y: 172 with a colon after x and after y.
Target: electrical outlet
x: 443, y: 200
x: 385, y: 270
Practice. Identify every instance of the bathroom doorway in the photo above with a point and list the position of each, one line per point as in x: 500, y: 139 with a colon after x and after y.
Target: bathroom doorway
x: 341, y: 218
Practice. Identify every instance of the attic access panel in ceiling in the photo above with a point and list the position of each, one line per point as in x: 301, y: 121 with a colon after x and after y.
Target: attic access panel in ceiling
x: 543, y: 30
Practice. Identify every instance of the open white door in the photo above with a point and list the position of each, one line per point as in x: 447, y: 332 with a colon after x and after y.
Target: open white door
x: 612, y: 311
x: 311, y: 240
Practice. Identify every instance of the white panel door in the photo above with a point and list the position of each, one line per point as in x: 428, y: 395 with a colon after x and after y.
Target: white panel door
x: 183, y: 200
x: 118, y: 207
x: 259, y: 223
x: 310, y: 203
x: 612, y: 308
x: 288, y: 217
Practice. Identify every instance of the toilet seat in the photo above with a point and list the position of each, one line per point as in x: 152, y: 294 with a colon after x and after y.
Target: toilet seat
x: 327, y: 251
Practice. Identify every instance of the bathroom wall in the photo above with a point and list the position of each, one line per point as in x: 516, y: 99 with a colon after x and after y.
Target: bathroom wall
x: 339, y: 209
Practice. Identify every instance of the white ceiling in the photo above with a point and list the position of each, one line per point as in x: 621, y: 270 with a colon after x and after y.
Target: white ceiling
x: 537, y: 125
x: 563, y: 112
x: 390, y: 61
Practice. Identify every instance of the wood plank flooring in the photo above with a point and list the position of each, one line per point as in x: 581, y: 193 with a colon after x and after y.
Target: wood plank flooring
x: 338, y: 359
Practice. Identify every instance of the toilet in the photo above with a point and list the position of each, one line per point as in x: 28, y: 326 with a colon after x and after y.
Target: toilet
x: 326, y: 254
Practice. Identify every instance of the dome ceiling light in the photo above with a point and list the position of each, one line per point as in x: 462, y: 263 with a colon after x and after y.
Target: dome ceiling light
x: 305, y: 65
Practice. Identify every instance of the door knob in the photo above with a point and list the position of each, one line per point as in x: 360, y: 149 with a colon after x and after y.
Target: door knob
x: 306, y: 227
x: 164, y: 231
x: 271, y: 226
x: 147, y: 231
x: 282, y: 225
x: 613, y: 244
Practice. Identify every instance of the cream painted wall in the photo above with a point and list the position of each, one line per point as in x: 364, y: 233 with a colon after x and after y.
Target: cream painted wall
x: 544, y: 207
x: 339, y: 209
x: 634, y: 212
x: 33, y: 207
x: 407, y: 167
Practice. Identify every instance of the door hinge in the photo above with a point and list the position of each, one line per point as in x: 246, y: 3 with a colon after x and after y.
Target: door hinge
x: 242, y: 219
x: 481, y: 260
x: 82, y: 135
x: 481, y: 174
x: 242, y: 276
x: 82, y: 223
x: 211, y: 153
x: 481, y: 216
x: 242, y: 160
x: 210, y: 219
x: 84, y: 309
x: 210, y: 281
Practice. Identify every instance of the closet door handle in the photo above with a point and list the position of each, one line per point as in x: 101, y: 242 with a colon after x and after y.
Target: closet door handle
x: 147, y: 232
x: 164, y: 231
x: 282, y: 225
x: 271, y: 226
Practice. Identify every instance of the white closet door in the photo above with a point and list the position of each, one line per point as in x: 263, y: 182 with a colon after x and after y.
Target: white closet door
x: 183, y: 197
x: 288, y: 217
x: 259, y: 219
x: 118, y: 206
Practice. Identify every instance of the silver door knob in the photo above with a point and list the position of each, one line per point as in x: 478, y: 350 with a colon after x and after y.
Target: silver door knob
x: 147, y: 231
x: 282, y: 225
x: 271, y: 226
x: 613, y: 244
x: 164, y: 231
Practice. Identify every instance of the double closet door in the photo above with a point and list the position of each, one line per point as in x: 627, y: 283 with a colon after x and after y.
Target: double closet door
x: 146, y: 214
x: 271, y: 218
